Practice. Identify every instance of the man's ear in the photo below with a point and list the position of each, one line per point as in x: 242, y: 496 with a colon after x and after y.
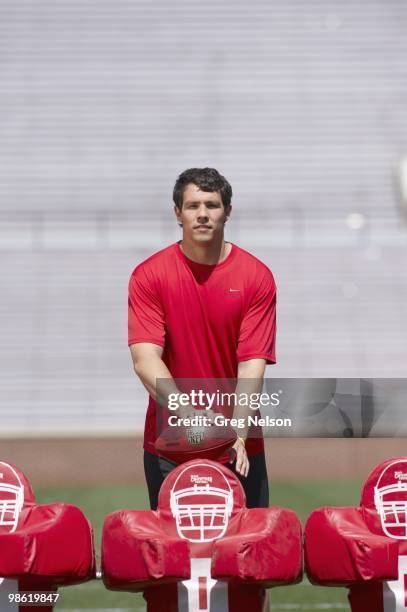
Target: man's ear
x: 178, y: 215
x: 229, y: 211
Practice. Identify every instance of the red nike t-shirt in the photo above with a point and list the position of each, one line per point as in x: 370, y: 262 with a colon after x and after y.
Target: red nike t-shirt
x: 207, y: 318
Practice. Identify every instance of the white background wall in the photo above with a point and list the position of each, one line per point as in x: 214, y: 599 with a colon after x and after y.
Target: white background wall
x: 102, y: 104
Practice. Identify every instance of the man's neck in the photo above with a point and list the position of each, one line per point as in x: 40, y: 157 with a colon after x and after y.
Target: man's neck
x: 208, y: 254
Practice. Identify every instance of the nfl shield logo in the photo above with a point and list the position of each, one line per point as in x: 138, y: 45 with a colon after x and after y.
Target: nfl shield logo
x: 195, y: 436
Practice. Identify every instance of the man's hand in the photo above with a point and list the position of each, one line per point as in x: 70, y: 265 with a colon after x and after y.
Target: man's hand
x: 249, y: 380
x: 238, y: 452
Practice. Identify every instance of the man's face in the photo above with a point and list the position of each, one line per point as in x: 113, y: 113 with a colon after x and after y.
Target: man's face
x: 202, y: 215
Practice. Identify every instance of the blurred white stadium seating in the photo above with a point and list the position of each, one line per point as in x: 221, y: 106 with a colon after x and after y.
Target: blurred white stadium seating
x: 300, y: 104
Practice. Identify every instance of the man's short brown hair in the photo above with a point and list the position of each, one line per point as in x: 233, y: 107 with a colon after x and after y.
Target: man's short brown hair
x: 207, y: 179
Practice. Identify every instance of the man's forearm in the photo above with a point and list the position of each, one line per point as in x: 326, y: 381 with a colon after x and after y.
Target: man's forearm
x: 151, y: 369
x: 250, y: 381
x: 158, y: 381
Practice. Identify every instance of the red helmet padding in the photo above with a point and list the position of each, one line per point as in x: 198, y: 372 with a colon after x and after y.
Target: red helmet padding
x: 382, y: 476
x: 141, y: 548
x: 222, y: 478
x: 51, y: 545
x: 11, y: 474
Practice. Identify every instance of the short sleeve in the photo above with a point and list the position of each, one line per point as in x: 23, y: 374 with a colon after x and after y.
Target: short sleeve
x: 146, y: 315
x: 257, y: 336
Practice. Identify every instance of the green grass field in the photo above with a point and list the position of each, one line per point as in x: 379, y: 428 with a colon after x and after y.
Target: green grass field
x: 99, y: 501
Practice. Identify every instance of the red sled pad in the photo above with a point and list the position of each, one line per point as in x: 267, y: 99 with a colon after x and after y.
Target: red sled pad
x: 365, y: 548
x: 138, y: 552
x: 267, y: 549
x: 42, y: 546
x: 202, y: 549
x: 341, y: 550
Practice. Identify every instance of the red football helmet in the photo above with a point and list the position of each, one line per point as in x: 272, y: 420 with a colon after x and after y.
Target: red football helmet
x: 201, y: 502
x: 11, y: 497
x: 390, y: 498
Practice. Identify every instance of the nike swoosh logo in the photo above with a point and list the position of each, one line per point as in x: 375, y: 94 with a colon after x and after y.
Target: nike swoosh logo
x: 234, y: 289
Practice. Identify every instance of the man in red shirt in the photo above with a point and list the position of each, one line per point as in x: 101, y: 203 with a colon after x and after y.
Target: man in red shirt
x: 203, y: 308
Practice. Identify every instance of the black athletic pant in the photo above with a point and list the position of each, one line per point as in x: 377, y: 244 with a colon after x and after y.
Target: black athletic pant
x: 255, y: 485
